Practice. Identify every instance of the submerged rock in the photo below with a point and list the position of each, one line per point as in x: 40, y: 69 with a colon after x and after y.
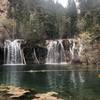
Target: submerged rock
x: 17, y: 93
x: 47, y: 96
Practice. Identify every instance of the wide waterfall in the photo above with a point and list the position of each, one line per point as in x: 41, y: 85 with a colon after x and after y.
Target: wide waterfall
x: 63, y: 51
x: 13, y: 52
x: 56, y: 52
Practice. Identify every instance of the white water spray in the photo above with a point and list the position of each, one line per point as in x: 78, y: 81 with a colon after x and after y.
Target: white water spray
x: 56, y: 52
x: 13, y: 52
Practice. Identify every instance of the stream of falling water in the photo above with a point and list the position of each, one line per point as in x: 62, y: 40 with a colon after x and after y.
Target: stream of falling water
x: 57, y: 53
x: 13, y: 52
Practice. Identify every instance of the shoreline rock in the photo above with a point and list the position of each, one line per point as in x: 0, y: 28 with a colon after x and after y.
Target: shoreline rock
x: 17, y: 93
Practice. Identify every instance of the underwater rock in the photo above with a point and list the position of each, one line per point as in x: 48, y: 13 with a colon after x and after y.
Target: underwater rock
x: 17, y: 93
x: 47, y: 96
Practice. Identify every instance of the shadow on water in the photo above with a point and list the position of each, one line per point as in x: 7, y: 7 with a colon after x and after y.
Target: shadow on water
x: 70, y: 84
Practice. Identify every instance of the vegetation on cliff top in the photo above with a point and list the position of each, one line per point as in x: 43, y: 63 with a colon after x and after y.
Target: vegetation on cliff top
x: 44, y: 19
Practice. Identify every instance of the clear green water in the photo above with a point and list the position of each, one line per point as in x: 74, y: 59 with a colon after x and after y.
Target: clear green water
x: 70, y: 84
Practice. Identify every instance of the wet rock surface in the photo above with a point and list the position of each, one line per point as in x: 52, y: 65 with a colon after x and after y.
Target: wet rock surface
x: 34, y: 53
x: 47, y: 96
x: 1, y: 55
x: 3, y: 8
x: 17, y: 93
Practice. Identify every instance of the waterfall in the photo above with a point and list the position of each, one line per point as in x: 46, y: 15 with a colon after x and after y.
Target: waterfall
x: 72, y: 48
x: 56, y: 52
x: 13, y: 52
x: 76, y: 48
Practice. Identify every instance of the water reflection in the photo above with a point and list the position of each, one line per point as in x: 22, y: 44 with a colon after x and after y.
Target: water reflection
x: 11, y: 76
x: 77, y: 77
x: 75, y: 84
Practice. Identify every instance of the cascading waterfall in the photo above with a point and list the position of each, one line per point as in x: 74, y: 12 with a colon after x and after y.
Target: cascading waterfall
x: 72, y: 48
x: 57, y: 53
x: 76, y: 49
x: 13, y: 52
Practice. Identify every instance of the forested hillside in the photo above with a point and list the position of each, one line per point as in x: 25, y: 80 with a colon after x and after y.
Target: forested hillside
x: 45, y: 19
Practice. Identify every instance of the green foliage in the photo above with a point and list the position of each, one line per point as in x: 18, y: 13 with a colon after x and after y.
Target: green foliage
x: 90, y: 22
x: 96, y: 32
x: 43, y: 19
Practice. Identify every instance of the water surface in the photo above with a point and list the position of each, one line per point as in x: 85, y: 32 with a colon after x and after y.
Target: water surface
x: 74, y: 84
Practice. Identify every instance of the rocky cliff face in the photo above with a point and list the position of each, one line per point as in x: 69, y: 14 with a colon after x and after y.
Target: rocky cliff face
x: 4, y: 4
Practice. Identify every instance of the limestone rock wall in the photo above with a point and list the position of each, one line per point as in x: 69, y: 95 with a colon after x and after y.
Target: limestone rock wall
x: 4, y: 4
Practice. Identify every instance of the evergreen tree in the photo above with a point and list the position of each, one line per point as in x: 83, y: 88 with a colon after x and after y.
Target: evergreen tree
x: 72, y: 14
